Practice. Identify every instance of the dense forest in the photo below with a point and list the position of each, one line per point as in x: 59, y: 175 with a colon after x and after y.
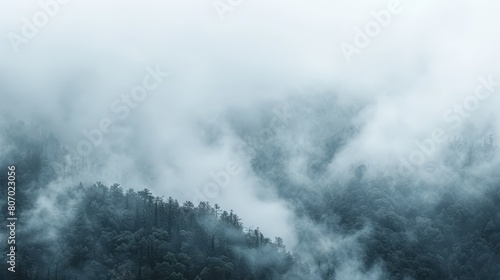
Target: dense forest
x: 134, y: 235
x: 108, y: 232
x: 112, y: 233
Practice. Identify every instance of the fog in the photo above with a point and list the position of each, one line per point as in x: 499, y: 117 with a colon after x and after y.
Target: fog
x: 273, y: 71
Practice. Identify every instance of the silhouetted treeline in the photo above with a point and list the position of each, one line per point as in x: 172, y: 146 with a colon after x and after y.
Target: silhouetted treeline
x: 117, y: 234
x: 111, y: 233
x: 415, y: 230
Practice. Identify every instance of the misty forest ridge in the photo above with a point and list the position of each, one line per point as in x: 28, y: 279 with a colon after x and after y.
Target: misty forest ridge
x: 250, y: 140
x: 95, y: 231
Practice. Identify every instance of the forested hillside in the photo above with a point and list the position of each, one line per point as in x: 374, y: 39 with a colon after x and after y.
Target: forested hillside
x: 388, y: 228
x: 100, y: 232
x: 134, y: 235
x: 440, y: 222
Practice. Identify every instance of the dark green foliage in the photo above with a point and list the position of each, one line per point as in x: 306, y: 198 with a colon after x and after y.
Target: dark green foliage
x: 110, y: 233
x: 165, y: 241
